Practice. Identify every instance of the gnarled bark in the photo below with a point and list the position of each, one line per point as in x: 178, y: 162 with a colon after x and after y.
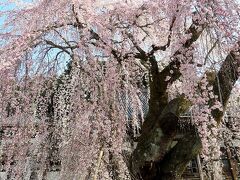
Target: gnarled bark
x: 153, y: 146
x: 154, y: 157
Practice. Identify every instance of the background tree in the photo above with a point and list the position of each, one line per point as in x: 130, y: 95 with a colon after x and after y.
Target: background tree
x: 184, y: 53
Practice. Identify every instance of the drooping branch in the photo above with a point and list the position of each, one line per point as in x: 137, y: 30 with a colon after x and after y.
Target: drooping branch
x: 164, y: 47
x: 63, y: 48
x: 195, y: 30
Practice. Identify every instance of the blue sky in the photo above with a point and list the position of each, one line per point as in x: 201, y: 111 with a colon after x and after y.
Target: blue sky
x: 9, y: 6
x: 5, y: 6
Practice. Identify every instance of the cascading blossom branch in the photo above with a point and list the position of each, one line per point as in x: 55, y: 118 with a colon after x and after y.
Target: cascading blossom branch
x: 81, y: 68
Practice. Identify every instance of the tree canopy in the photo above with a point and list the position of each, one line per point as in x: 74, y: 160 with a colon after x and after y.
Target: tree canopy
x: 73, y: 74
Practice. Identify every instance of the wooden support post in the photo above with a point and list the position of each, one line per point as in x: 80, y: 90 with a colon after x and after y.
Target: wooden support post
x: 233, y: 167
x: 199, y: 167
x: 98, y: 165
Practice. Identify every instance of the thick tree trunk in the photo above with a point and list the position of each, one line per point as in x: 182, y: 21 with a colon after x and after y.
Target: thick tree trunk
x: 174, y: 162
x: 186, y: 149
x: 161, y: 124
x: 155, y: 157
x: 156, y: 144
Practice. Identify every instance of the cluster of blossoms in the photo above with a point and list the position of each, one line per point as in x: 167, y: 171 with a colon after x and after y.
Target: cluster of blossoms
x: 89, y: 107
